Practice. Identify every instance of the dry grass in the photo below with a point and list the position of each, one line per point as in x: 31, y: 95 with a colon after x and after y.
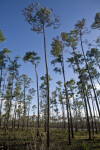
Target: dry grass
x: 28, y: 140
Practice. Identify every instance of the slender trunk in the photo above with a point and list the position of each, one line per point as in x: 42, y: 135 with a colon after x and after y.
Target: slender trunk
x: 90, y: 112
x: 15, y: 114
x: 37, y: 100
x: 67, y: 103
x: 10, y: 103
x: 19, y: 121
x: 88, y: 123
x: 8, y: 114
x: 57, y: 117
x: 24, y: 109
x: 33, y: 120
x: 63, y: 115
x: 71, y: 123
x: 0, y: 94
x: 4, y: 88
x: 45, y: 120
x: 13, y: 122
x: 4, y: 82
x: 89, y: 74
x: 52, y: 115
x: 28, y: 121
x: 0, y: 78
x: 96, y: 75
x: 94, y: 114
x: 75, y: 114
x: 48, y: 94
x: 83, y: 91
x: 76, y: 122
x: 11, y: 100
x: 0, y: 112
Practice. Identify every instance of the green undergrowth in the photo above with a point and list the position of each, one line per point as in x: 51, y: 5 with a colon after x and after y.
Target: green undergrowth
x: 28, y: 140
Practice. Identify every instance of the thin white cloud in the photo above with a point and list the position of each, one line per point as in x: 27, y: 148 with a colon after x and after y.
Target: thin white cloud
x: 98, y: 86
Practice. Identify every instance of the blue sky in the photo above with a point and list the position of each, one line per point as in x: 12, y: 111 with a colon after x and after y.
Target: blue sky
x: 20, y: 39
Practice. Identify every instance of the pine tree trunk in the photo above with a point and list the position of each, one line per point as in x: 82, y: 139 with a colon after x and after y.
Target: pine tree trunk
x: 94, y: 114
x: 48, y: 95
x: 15, y: 114
x: 71, y: 123
x: 67, y: 103
x: 19, y: 121
x: 0, y: 78
x: 92, y: 124
x: 0, y: 111
x: 0, y: 94
x: 63, y: 112
x: 37, y: 101
x: 23, y: 125
x: 84, y: 95
x: 89, y: 75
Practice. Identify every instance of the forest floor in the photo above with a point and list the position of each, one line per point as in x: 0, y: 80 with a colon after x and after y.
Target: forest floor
x: 28, y: 140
